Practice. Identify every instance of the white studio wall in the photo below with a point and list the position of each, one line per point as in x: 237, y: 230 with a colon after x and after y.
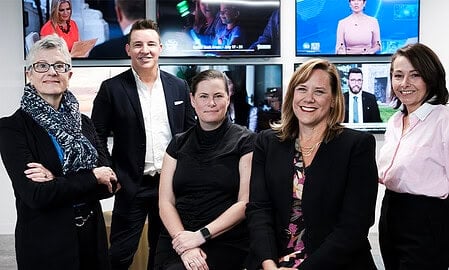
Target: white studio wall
x: 12, y: 80
x: 433, y: 32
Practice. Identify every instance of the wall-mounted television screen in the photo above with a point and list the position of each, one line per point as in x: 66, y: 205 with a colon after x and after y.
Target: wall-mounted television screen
x: 370, y: 83
x: 85, y: 83
x: 351, y: 27
x: 214, y: 28
x: 256, y: 89
x: 96, y: 21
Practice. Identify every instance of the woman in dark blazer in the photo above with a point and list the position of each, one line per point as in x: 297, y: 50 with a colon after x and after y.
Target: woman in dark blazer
x: 51, y: 155
x: 313, y: 183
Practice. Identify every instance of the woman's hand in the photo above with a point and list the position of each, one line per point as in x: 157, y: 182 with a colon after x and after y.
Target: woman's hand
x: 106, y: 176
x: 271, y: 265
x: 185, y: 240
x: 38, y: 173
x: 194, y: 259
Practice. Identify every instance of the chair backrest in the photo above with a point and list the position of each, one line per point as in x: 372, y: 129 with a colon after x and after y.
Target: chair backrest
x: 30, y: 39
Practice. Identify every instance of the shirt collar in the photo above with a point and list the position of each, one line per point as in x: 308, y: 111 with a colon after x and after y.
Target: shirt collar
x: 423, y: 111
x: 127, y: 30
x: 359, y: 94
x: 139, y: 81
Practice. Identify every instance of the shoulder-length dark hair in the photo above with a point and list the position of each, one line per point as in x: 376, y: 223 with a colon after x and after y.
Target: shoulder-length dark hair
x: 288, y: 127
x: 429, y: 66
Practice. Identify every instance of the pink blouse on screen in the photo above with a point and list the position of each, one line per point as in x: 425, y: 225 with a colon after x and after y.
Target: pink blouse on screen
x: 358, y: 34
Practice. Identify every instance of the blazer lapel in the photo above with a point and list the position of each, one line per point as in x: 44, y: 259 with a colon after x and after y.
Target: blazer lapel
x: 130, y: 88
x: 169, y: 92
x: 284, y: 179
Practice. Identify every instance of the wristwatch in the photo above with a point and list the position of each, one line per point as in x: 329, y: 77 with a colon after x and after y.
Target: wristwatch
x: 205, y: 233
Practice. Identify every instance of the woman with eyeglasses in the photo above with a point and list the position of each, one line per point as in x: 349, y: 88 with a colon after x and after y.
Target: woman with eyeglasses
x: 61, y: 23
x: 57, y: 169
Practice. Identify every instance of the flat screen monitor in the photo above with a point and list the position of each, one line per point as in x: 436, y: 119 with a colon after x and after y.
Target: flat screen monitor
x: 86, y: 80
x: 257, y: 89
x: 375, y: 85
x: 96, y: 22
x: 213, y: 28
x: 373, y: 79
x: 330, y: 27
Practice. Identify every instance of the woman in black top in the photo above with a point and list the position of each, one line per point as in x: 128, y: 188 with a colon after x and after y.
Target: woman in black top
x: 56, y: 165
x: 204, y: 186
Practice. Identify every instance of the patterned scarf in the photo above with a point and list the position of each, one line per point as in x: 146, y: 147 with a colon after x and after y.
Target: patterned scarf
x: 65, y: 126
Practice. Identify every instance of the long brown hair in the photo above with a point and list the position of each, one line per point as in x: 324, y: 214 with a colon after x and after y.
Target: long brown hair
x: 288, y: 126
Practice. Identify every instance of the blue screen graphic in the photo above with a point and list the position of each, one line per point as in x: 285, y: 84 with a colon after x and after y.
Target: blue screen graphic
x: 317, y: 20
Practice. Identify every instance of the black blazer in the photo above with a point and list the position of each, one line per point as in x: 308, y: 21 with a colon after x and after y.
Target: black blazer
x: 110, y: 49
x: 339, y: 200
x: 117, y: 112
x: 371, y: 112
x: 46, y: 236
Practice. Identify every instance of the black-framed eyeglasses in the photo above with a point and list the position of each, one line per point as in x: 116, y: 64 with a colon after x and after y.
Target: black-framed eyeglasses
x: 42, y: 67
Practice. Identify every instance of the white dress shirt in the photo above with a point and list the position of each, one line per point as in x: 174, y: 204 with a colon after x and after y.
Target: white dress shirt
x: 157, y: 127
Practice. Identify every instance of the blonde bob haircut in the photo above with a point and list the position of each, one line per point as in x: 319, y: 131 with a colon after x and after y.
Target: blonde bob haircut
x: 288, y: 126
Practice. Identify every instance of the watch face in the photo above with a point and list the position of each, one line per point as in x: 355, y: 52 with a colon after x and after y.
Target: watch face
x: 205, y: 232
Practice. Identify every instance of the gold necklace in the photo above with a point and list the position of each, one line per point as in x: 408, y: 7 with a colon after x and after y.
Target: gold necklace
x: 306, y: 150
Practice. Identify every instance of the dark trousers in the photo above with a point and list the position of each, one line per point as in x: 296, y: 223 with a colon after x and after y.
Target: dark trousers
x: 414, y: 232
x: 127, y: 226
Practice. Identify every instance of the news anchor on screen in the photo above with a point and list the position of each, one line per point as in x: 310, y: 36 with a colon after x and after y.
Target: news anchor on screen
x: 60, y: 22
x: 358, y: 33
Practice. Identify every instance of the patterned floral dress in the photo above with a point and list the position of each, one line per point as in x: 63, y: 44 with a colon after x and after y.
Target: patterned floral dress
x: 295, y: 248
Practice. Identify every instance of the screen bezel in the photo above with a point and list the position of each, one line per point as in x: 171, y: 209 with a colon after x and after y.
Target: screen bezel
x: 90, y: 80
x: 228, y: 55
x: 113, y: 26
x: 330, y: 54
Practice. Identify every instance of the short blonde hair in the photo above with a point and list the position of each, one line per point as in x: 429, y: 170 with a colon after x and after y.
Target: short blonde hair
x: 48, y: 43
